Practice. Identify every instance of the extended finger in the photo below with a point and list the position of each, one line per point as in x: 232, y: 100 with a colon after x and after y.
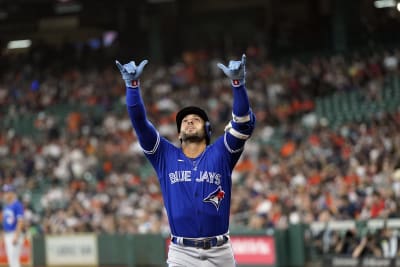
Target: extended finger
x: 223, y: 67
x: 243, y: 59
x: 119, y: 65
x: 142, y: 64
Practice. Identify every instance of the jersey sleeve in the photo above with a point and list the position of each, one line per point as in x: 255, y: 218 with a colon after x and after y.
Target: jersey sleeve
x: 242, y: 124
x: 19, y: 210
x: 148, y: 136
x: 221, y: 146
x: 162, y: 155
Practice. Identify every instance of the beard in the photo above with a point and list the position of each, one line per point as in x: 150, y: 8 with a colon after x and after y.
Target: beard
x: 196, y: 137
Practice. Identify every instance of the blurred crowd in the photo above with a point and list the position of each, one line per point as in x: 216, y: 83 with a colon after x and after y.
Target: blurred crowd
x: 358, y: 243
x: 85, y: 171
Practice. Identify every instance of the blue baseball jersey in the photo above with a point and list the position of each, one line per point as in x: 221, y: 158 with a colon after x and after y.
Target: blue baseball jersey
x: 196, y: 192
x: 11, y: 214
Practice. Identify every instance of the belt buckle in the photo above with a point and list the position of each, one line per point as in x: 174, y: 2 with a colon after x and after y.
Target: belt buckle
x: 206, y: 244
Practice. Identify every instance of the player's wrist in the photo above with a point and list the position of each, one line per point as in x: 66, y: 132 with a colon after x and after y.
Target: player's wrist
x: 132, y: 83
x: 237, y: 82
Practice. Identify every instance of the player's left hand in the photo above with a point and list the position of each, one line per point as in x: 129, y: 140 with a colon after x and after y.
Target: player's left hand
x: 236, y: 71
x: 131, y: 73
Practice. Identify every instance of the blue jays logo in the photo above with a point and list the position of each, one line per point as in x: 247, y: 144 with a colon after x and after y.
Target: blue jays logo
x: 215, y: 197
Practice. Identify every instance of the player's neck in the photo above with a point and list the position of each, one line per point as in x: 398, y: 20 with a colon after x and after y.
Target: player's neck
x: 193, y: 150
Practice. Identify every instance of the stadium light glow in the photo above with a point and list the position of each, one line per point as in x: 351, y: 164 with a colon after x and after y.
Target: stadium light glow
x: 398, y: 7
x: 384, y: 3
x: 16, y: 44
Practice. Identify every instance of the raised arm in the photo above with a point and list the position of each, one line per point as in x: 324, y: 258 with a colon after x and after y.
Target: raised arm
x: 145, y: 131
x: 240, y: 128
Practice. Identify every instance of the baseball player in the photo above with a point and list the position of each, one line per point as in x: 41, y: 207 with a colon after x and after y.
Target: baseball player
x: 195, y: 179
x: 13, y: 214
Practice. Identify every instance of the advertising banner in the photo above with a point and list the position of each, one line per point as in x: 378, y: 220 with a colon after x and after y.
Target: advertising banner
x: 254, y: 250
x: 70, y: 250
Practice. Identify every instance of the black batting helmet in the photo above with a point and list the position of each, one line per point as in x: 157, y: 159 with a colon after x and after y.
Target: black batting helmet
x: 198, y: 111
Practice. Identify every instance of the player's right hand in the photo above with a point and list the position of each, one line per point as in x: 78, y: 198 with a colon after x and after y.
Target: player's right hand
x: 131, y: 73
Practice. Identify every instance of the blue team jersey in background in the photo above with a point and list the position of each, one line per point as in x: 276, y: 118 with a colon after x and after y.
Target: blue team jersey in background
x: 11, y: 213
